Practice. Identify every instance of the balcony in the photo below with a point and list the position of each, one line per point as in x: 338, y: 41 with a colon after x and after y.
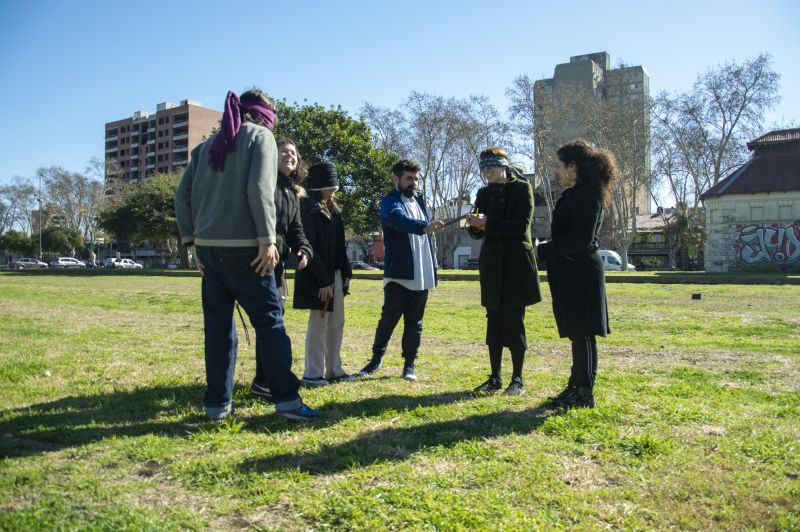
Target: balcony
x: 110, y: 150
x: 182, y: 136
x: 135, y: 144
x: 178, y: 123
x: 134, y: 168
x: 151, y: 166
x: 151, y: 141
x: 180, y: 162
x: 113, y: 137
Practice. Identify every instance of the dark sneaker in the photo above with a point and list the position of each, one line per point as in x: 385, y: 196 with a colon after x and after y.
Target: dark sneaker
x: 515, y: 387
x: 373, y: 366
x: 309, y: 382
x: 408, y: 372
x: 493, y: 384
x: 579, y: 398
x: 344, y: 377
x: 564, y: 394
x: 261, y: 391
x: 303, y: 413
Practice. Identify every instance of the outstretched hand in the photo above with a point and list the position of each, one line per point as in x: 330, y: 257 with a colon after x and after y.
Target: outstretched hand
x: 434, y: 226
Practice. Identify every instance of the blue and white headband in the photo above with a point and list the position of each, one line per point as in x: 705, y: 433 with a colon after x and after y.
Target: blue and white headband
x: 493, y: 161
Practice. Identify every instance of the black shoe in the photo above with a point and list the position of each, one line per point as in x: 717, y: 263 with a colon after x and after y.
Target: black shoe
x: 515, y: 387
x: 408, y: 372
x: 261, y: 391
x: 373, y: 366
x: 492, y: 384
x: 565, y: 393
x: 579, y: 398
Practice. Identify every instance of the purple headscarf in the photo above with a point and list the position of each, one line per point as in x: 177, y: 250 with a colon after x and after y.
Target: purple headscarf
x: 225, y: 141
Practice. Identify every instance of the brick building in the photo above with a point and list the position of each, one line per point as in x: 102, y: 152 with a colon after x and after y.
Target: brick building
x: 146, y: 143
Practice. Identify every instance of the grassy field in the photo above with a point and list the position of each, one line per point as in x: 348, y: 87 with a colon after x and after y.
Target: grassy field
x: 102, y: 427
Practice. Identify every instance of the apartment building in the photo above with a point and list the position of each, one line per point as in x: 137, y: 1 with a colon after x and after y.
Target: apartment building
x: 145, y: 143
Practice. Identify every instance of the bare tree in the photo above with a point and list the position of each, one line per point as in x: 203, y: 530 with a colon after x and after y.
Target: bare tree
x: 18, y: 205
x: 72, y: 198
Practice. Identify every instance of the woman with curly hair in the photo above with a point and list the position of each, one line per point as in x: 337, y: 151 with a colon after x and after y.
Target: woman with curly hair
x: 574, y: 269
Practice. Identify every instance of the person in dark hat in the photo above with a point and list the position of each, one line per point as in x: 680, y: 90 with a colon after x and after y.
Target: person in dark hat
x: 508, y: 274
x: 321, y: 286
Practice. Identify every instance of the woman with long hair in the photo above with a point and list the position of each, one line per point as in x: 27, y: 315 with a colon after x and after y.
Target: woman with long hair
x: 574, y: 269
x: 508, y: 274
x: 291, y: 238
x: 322, y: 286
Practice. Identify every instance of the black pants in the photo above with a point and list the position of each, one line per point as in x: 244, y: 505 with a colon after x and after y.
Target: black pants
x: 410, y: 304
x: 584, y: 362
x: 280, y: 281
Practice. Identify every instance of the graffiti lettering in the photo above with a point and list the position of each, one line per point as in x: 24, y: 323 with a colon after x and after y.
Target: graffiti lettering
x: 768, y: 246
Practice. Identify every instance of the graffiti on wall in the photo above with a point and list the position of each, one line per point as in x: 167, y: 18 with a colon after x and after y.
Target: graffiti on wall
x: 768, y: 245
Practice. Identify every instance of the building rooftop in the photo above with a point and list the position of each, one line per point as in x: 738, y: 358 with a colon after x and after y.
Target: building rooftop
x: 767, y: 170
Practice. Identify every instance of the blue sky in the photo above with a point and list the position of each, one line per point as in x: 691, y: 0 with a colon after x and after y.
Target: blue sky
x: 70, y: 66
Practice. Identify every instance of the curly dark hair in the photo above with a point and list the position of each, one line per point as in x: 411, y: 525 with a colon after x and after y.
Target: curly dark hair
x: 404, y: 165
x: 595, y: 167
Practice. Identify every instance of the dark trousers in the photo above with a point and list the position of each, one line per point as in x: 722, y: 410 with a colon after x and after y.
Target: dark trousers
x: 280, y: 279
x: 229, y: 278
x: 506, y: 328
x: 584, y: 362
x: 410, y: 304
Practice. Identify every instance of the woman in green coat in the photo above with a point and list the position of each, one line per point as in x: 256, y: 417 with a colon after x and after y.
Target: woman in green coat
x: 574, y: 270
x: 508, y: 275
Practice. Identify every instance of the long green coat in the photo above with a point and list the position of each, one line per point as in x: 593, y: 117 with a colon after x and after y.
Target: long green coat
x: 508, y: 273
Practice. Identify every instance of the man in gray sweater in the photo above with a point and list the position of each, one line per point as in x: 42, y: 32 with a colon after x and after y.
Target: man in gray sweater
x: 225, y: 206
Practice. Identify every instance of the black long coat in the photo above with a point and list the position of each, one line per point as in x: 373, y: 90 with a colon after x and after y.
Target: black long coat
x: 508, y: 273
x: 574, y: 269
x: 326, y: 235
x: 291, y: 237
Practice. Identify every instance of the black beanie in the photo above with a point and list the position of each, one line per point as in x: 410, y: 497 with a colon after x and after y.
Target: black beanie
x: 322, y: 175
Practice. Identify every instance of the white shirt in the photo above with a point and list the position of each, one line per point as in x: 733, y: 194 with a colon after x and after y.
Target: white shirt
x: 420, y: 249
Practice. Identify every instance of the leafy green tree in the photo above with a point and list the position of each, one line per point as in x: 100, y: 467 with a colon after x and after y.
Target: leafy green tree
x: 60, y: 239
x: 333, y: 135
x: 17, y: 242
x: 144, y: 211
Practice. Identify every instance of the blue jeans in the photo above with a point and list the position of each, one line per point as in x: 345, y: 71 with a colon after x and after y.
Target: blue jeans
x: 229, y: 278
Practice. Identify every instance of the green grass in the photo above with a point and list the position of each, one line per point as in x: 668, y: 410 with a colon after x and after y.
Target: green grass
x: 102, y: 427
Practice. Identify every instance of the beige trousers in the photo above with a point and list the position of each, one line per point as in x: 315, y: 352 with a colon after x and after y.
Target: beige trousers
x: 324, y: 337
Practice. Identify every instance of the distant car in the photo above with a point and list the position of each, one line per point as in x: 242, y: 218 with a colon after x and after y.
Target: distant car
x: 67, y: 262
x: 89, y: 264
x: 28, y: 263
x: 361, y: 265
x: 174, y: 265
x: 612, y: 261
x: 112, y: 262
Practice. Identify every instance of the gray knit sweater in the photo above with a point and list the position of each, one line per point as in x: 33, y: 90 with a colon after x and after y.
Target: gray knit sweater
x: 235, y: 207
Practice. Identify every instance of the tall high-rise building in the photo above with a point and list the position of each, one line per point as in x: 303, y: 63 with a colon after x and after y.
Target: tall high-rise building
x: 146, y: 143
x: 564, y: 112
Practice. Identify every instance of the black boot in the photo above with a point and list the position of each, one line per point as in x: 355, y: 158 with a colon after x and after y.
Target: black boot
x: 564, y: 393
x: 581, y: 397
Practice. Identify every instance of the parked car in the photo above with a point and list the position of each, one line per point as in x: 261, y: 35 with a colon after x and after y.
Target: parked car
x: 89, y: 264
x: 361, y: 265
x: 612, y: 261
x: 174, y: 265
x: 112, y: 262
x: 28, y: 263
x: 67, y: 262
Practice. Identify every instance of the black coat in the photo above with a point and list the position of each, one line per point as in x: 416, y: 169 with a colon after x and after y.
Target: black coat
x: 508, y: 273
x: 574, y: 270
x: 326, y: 236
x: 291, y: 237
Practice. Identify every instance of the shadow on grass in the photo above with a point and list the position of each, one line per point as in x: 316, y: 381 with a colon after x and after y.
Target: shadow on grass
x: 166, y: 411
x: 398, y: 444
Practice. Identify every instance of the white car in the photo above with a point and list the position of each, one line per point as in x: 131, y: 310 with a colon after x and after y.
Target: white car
x: 111, y: 262
x: 67, y: 262
x: 612, y: 261
x: 361, y: 265
x: 28, y: 263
